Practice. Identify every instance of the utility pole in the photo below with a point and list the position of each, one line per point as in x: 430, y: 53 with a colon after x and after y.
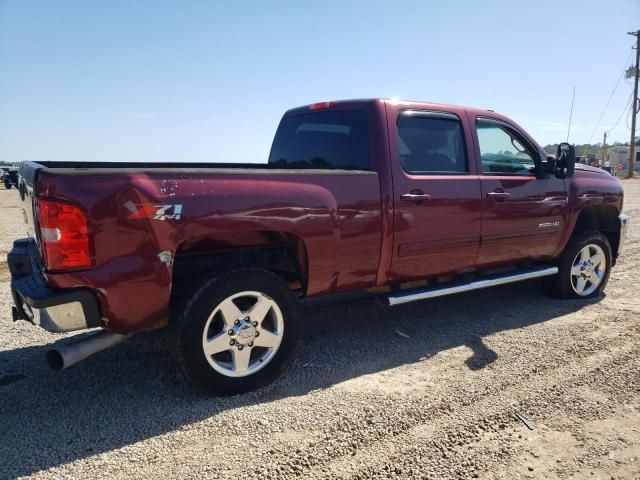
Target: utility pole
x: 634, y: 107
x: 604, y: 149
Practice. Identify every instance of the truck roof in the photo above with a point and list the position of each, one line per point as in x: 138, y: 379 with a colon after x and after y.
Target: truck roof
x: 367, y: 103
x: 363, y: 102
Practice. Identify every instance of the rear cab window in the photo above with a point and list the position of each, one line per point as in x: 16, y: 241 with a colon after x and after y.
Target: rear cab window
x: 337, y: 139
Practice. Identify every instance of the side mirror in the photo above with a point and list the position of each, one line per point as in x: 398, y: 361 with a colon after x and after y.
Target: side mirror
x: 550, y: 165
x: 566, y: 160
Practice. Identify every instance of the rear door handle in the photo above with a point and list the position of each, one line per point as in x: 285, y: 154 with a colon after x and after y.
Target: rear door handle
x: 415, y: 197
x: 498, y: 196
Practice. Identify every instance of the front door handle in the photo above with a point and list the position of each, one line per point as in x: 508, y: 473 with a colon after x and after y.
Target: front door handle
x: 498, y: 196
x: 416, y: 197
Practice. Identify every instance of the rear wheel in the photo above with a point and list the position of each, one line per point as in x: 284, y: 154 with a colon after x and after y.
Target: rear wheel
x: 237, y: 331
x: 584, y: 267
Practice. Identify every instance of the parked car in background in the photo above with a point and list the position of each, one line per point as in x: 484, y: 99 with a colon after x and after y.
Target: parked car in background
x: 9, y: 176
x: 410, y: 200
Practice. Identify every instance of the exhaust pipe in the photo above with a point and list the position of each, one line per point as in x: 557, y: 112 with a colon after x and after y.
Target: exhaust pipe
x: 67, y: 355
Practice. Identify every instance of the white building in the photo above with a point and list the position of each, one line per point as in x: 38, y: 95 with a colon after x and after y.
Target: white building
x: 620, y: 156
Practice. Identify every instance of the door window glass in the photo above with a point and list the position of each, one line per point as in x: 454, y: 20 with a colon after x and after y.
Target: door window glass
x: 431, y: 144
x: 502, y: 152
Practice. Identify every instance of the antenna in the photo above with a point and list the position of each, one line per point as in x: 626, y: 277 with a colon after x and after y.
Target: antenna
x: 571, y: 113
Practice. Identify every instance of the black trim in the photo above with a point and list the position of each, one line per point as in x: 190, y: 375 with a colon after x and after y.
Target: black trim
x: 507, y: 174
x: 428, y: 114
x: 420, y: 173
x: 102, y: 168
x: 29, y: 287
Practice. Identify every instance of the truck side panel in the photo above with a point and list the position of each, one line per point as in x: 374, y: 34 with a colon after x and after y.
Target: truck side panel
x: 140, y: 221
x: 588, y: 190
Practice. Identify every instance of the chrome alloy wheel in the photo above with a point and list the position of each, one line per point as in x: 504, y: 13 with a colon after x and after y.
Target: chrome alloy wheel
x: 588, y: 269
x: 242, y: 334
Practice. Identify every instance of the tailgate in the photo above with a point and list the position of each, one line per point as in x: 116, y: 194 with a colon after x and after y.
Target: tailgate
x: 26, y: 187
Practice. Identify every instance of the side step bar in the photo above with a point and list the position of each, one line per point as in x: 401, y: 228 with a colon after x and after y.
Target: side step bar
x: 491, y: 281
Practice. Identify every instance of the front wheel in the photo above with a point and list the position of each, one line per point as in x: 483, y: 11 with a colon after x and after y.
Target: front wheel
x: 237, y: 331
x: 583, y: 270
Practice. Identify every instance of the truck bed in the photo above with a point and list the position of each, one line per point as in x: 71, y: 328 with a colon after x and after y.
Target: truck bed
x: 145, y: 217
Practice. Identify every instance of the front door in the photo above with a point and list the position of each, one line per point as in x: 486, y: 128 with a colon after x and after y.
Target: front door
x: 436, y: 196
x: 523, y: 215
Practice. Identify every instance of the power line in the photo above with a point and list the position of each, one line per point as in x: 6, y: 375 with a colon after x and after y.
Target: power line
x: 624, y: 110
x: 611, y: 96
x: 629, y: 116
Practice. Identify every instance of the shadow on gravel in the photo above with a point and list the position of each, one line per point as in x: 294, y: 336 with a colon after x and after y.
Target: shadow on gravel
x: 134, y: 392
x: 482, y: 354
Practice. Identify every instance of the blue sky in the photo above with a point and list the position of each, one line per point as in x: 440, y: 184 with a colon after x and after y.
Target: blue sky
x: 209, y: 80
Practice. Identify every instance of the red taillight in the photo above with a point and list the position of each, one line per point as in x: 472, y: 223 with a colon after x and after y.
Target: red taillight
x: 64, y: 235
x: 321, y: 105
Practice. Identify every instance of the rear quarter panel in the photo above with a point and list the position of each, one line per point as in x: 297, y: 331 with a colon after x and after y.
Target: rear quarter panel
x: 335, y: 214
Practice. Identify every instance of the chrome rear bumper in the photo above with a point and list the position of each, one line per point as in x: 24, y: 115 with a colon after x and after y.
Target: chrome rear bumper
x: 54, y: 310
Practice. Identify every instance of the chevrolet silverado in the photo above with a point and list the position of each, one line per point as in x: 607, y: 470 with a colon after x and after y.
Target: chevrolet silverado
x: 409, y: 200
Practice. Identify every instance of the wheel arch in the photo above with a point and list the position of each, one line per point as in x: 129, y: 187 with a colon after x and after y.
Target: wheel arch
x: 282, y: 253
x: 600, y: 218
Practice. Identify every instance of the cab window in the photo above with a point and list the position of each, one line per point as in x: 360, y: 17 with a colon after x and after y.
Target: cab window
x: 336, y: 139
x: 502, y: 152
x: 431, y: 144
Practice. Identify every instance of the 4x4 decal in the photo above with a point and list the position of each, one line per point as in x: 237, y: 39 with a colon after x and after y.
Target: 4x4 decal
x: 171, y: 212
x: 155, y: 212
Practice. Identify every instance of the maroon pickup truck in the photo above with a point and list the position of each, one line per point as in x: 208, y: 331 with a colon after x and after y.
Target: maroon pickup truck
x: 409, y: 200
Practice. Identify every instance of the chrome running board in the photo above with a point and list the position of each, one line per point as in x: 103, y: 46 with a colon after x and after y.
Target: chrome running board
x: 491, y: 281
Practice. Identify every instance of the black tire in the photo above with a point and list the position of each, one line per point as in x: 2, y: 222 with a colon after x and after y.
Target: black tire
x: 7, y: 185
x: 560, y: 285
x: 193, y: 314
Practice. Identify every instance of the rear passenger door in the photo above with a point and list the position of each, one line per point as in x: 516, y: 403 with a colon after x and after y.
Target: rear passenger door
x: 437, y: 208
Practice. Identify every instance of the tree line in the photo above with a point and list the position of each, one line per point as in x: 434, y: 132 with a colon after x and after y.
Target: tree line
x: 589, y: 148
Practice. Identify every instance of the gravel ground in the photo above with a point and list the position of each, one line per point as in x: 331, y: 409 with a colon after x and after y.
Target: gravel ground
x: 359, y: 402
